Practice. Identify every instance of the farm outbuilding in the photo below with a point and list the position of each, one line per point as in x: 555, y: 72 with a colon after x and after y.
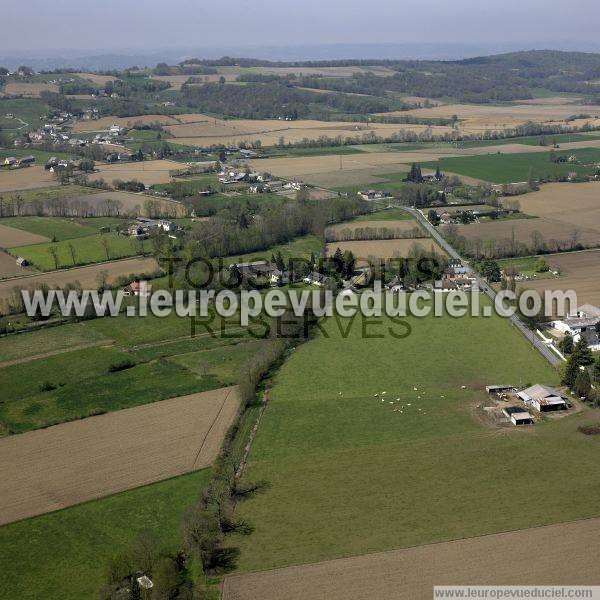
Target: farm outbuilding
x: 498, y: 389
x: 543, y: 398
x: 518, y: 416
x: 22, y: 262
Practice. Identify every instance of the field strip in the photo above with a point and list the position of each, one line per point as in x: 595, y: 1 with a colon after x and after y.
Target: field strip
x: 212, y: 425
x: 26, y: 359
x: 50, y: 469
x: 563, y: 554
x: 87, y: 276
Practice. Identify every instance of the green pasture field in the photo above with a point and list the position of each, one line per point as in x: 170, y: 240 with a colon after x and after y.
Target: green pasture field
x: 392, y: 214
x: 301, y: 247
x: 82, y: 385
x: 51, y: 339
x: 53, y: 382
x: 225, y: 364
x: 312, y: 151
x: 532, y: 140
x: 65, y: 553
x: 514, y: 168
x: 51, y: 193
x: 88, y: 250
x: 61, y: 228
x: 350, y: 474
x: 29, y: 109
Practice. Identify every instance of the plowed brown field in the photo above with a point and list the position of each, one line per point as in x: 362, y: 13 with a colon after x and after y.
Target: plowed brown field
x: 50, y: 469
x: 515, y: 558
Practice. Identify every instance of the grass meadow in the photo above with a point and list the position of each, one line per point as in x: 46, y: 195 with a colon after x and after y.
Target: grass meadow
x: 350, y: 474
x: 513, y: 168
x: 60, y: 228
x: 88, y: 250
x: 62, y: 555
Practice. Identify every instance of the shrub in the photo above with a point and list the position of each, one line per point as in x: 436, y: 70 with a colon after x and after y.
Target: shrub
x: 121, y: 366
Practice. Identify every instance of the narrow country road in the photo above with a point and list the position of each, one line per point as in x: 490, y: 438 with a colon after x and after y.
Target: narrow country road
x: 543, y: 349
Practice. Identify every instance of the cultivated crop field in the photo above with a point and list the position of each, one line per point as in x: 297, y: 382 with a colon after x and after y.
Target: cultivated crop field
x: 11, y: 237
x: 30, y: 90
x: 558, y: 236
x: 482, y: 117
x: 574, y: 204
x: 413, y: 572
x: 105, y: 123
x: 201, y: 130
x: 130, y: 203
x: 27, y: 178
x: 53, y: 468
x: 9, y: 267
x: 334, y: 453
x: 363, y: 250
x: 149, y: 172
x: 403, y: 226
x: 579, y: 271
x: 96, y: 78
x: 568, y: 214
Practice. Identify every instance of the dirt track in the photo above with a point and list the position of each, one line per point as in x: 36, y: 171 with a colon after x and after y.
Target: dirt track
x: 564, y: 554
x: 50, y: 469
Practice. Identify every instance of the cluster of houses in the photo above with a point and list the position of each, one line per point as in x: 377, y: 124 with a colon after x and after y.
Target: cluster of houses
x: 15, y: 163
x: 54, y: 164
x: 374, y: 195
x: 143, y: 227
x: 456, y: 277
x: 539, y: 398
x: 268, y: 272
x: 228, y: 176
x: 468, y: 215
x: 582, y: 323
x: 259, y: 182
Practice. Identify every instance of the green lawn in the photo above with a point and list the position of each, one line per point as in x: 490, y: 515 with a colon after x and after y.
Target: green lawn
x: 60, y: 228
x: 62, y: 555
x: 31, y: 343
x: 349, y: 475
x: 513, y: 168
x: 89, y: 249
x: 526, y: 266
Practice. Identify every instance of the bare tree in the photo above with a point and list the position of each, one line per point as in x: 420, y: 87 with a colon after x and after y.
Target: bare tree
x: 53, y: 252
x: 105, y: 245
x: 73, y: 253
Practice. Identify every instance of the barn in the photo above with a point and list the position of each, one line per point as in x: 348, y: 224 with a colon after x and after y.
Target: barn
x: 518, y: 416
x: 543, y: 398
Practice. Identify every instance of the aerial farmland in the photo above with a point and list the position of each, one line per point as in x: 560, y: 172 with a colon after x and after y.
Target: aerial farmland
x: 253, y: 339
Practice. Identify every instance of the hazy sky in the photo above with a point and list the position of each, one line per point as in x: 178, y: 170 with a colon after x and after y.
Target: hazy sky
x: 146, y: 24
